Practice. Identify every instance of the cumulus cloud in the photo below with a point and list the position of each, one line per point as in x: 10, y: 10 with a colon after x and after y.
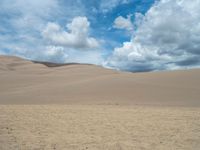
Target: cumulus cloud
x: 167, y: 37
x: 22, y: 22
x: 55, y: 54
x: 123, y: 23
x: 76, y: 36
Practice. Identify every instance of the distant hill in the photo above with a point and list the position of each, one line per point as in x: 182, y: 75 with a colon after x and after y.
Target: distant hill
x: 51, y: 64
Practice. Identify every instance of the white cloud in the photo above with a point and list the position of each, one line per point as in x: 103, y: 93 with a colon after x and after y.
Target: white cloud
x: 22, y: 22
x: 76, y: 35
x: 28, y: 15
x: 167, y: 37
x: 89, y: 57
x: 107, y: 5
x: 55, y: 54
x: 123, y: 23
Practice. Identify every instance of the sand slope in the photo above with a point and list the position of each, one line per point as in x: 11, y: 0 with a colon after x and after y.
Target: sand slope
x: 25, y: 82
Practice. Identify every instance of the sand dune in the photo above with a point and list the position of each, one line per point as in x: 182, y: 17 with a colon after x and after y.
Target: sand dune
x: 25, y: 82
x: 90, y: 107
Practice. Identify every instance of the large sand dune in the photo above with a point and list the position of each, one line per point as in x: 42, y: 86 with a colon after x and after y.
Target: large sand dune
x: 90, y: 107
x: 25, y: 82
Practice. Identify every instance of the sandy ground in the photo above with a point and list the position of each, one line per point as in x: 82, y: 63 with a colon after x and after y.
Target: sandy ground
x: 74, y: 127
x: 77, y: 107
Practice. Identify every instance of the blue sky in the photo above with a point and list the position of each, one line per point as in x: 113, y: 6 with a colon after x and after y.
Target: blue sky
x: 133, y: 35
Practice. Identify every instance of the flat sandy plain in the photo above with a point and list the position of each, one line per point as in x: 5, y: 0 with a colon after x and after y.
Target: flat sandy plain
x: 77, y: 107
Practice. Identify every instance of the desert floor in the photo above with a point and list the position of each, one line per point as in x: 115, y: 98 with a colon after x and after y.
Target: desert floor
x: 111, y: 127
